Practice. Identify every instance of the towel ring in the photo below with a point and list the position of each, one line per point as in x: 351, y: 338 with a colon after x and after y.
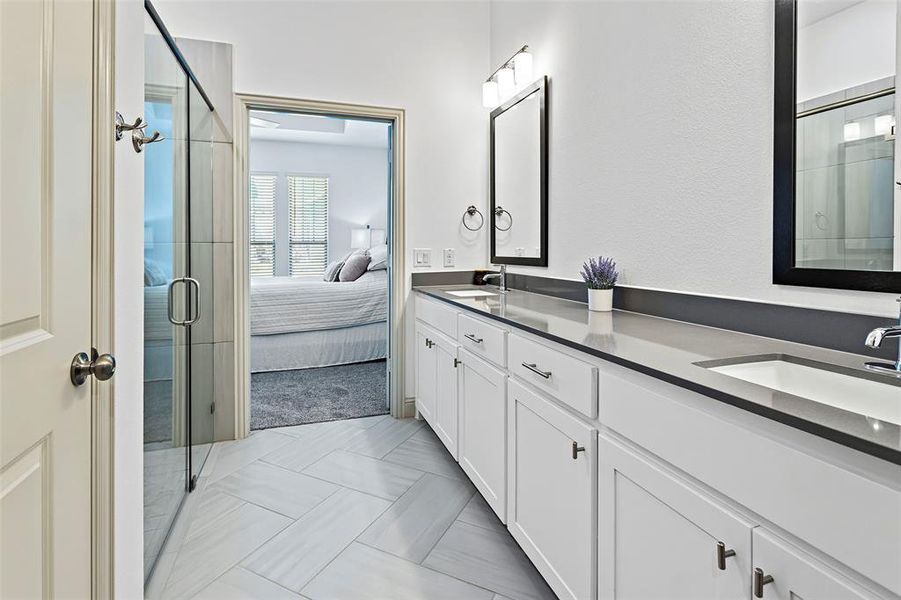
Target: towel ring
x: 473, y: 211
x: 498, y: 212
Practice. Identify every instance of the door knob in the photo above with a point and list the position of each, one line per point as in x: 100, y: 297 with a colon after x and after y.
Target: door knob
x: 102, y: 367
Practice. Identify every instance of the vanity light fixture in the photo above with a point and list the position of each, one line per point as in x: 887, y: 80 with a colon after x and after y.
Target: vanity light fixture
x: 883, y: 124
x: 511, y: 76
x: 851, y: 131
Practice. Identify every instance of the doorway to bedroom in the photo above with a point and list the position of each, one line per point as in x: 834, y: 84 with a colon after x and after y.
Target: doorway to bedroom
x: 319, y: 200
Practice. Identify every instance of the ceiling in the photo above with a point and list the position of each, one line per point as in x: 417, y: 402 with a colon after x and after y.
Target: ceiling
x: 315, y: 129
x: 811, y: 11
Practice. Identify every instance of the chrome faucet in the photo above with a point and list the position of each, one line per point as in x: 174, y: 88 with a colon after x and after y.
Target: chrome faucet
x: 501, y: 279
x: 874, y: 340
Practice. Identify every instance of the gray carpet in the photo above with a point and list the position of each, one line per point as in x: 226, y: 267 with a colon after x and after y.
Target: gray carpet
x: 157, y: 411
x: 282, y: 398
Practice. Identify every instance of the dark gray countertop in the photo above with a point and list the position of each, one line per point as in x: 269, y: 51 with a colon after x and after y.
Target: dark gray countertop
x: 668, y: 350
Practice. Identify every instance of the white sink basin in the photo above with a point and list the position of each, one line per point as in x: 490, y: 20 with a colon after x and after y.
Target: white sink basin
x: 471, y: 293
x: 854, y: 394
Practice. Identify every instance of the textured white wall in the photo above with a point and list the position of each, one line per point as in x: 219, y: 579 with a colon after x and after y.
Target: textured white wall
x: 661, y: 140
x: 358, y: 185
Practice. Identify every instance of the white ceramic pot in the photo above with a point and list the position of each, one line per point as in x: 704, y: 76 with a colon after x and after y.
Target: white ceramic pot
x: 600, y: 300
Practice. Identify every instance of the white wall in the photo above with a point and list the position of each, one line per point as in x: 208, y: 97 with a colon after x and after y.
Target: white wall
x: 358, y: 186
x: 128, y: 242
x: 661, y: 125
x: 849, y: 48
x: 428, y: 58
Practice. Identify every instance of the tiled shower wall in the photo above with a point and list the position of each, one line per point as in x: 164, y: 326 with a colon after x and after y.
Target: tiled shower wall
x: 212, y: 235
x: 845, y: 175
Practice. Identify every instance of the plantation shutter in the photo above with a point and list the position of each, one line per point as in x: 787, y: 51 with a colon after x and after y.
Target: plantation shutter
x: 262, y: 225
x: 308, y: 216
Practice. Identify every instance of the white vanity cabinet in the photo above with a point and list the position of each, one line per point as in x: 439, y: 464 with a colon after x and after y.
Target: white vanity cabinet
x: 425, y: 373
x: 483, y: 429
x: 620, y: 486
x: 660, y: 537
x: 795, y: 574
x: 436, y: 384
x: 446, y: 415
x: 552, y: 500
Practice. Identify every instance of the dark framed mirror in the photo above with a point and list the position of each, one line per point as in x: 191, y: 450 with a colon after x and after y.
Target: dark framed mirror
x: 518, y: 178
x: 837, y: 203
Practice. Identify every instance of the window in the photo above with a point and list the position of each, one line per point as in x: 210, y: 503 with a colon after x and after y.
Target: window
x: 308, y: 219
x: 262, y: 225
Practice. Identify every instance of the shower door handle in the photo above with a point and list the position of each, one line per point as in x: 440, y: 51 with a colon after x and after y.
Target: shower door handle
x: 196, y: 304
x: 188, y: 281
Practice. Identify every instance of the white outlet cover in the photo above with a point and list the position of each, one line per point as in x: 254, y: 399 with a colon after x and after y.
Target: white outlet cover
x: 449, y: 257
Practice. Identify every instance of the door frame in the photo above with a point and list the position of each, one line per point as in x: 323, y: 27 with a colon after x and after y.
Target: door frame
x: 244, y: 103
x: 102, y: 297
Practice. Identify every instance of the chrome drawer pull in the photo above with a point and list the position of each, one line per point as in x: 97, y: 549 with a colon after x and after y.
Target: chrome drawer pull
x: 534, y: 368
x: 471, y: 336
x: 576, y: 449
x: 722, y: 554
x: 760, y: 580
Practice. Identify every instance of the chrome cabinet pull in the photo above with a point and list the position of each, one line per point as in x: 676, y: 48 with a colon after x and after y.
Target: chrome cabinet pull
x: 471, y: 336
x: 722, y: 554
x: 534, y: 368
x: 760, y: 580
x: 576, y: 449
x: 102, y: 367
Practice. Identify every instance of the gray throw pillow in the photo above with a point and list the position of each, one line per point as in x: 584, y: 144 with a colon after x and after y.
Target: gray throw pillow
x: 354, y: 267
x: 153, y: 274
x: 332, y: 270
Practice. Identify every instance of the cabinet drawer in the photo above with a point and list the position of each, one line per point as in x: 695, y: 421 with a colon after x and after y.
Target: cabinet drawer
x: 552, y: 495
x: 437, y: 314
x: 808, y: 496
x: 568, y: 379
x: 482, y: 339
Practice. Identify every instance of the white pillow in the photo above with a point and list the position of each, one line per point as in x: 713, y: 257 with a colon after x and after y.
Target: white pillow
x: 378, y: 257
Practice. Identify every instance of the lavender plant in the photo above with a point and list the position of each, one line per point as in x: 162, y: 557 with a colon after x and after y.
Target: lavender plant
x: 600, y: 273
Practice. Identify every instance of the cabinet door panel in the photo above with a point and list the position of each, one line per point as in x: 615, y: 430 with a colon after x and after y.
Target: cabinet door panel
x: 483, y: 429
x: 552, y: 492
x: 425, y: 376
x: 798, y: 576
x: 445, y: 424
x: 658, y: 536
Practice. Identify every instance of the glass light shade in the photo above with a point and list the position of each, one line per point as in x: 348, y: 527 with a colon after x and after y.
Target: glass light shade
x: 522, y: 68
x: 361, y: 238
x: 489, y: 94
x: 506, y: 85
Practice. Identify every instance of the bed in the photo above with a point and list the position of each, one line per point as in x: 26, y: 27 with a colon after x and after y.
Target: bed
x: 299, y: 323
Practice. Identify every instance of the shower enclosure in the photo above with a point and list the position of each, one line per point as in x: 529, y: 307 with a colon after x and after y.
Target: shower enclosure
x: 178, y: 373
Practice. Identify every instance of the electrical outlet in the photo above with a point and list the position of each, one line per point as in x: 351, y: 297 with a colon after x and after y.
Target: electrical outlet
x: 422, y: 257
x: 450, y: 257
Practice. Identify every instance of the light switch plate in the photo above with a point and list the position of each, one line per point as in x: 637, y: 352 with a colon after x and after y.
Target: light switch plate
x: 422, y: 257
x: 450, y: 257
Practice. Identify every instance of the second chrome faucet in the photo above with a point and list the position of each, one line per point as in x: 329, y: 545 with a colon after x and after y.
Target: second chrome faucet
x: 875, y: 339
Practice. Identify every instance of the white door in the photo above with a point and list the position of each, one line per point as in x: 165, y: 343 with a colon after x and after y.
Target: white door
x: 445, y: 424
x: 483, y: 430
x: 660, y: 538
x: 425, y: 374
x: 796, y: 575
x: 45, y: 297
x: 553, y: 493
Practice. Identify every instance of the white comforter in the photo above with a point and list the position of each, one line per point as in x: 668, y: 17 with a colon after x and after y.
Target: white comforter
x: 288, y: 304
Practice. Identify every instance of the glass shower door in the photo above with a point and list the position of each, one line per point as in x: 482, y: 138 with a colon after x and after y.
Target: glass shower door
x: 166, y: 258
